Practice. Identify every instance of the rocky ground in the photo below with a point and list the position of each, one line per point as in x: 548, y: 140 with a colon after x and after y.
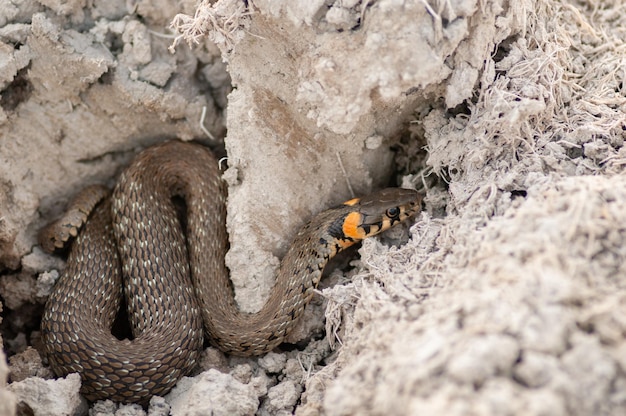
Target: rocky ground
x: 509, y: 294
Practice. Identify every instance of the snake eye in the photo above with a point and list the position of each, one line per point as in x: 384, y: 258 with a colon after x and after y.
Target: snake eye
x: 393, y: 212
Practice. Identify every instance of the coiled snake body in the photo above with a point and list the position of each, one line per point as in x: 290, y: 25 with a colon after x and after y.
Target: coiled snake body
x: 133, y: 245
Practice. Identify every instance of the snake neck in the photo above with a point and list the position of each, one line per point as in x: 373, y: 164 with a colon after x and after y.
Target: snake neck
x: 244, y: 334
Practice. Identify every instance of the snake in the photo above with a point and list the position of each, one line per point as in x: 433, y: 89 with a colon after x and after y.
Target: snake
x: 164, y: 260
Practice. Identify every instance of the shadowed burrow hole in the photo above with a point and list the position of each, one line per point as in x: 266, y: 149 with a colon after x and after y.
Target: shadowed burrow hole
x: 106, y: 78
x: 18, y: 91
x: 411, y: 154
x: 503, y: 49
x: 114, y: 42
x: 518, y: 193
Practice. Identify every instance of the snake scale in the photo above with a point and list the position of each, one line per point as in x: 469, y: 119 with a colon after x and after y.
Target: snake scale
x: 174, y: 280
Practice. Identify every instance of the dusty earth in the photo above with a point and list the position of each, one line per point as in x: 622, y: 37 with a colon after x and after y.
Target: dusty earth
x: 508, y: 295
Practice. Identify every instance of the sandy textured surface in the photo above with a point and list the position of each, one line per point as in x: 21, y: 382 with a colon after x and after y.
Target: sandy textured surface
x: 509, y: 296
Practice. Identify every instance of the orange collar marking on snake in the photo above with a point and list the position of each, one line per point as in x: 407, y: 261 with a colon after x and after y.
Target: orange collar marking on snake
x: 131, y: 244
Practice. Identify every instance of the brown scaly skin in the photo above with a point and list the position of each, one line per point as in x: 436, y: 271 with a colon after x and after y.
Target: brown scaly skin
x: 170, y: 297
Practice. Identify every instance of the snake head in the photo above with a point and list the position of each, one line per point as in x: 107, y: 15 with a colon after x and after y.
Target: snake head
x: 375, y: 213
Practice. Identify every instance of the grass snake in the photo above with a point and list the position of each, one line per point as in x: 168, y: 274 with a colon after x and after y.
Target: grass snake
x: 172, y: 273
